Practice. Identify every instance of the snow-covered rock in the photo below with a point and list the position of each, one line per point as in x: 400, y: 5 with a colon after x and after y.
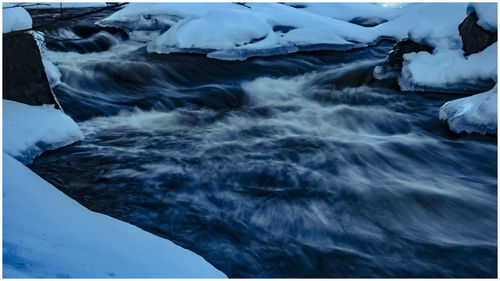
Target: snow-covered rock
x: 30, y: 130
x: 474, y: 114
x: 15, y: 18
x: 49, y: 235
x: 447, y: 69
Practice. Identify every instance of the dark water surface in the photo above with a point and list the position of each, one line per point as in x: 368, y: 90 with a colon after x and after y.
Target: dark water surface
x: 268, y: 168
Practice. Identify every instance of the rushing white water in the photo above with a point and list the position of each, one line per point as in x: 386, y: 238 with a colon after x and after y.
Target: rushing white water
x: 284, y: 166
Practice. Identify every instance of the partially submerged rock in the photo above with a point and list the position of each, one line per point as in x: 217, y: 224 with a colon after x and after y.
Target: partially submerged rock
x: 394, y: 61
x: 405, y: 46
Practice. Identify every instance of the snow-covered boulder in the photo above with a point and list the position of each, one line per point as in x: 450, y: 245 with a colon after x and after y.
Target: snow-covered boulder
x: 447, y: 69
x: 46, y: 234
x: 15, y: 18
x: 30, y: 130
x: 474, y: 114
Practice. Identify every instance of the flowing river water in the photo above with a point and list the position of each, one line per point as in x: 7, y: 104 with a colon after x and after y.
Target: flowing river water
x: 274, y: 166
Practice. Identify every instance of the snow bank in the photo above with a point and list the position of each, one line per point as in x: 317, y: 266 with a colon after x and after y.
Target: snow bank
x: 447, y: 69
x: 215, y: 31
x: 47, y: 234
x: 30, y: 130
x: 238, y: 32
x: 15, y: 18
x: 474, y: 114
x: 486, y: 13
x: 272, y: 28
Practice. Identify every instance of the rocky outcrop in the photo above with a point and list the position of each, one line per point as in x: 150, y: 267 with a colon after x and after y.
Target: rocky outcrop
x: 24, y: 78
x: 474, y: 37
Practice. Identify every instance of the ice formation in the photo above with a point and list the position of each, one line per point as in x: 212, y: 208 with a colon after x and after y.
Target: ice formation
x: 447, y: 68
x: 474, y: 114
x: 30, y: 130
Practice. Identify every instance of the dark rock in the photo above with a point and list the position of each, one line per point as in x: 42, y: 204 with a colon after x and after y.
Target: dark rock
x: 474, y: 37
x: 405, y: 46
x: 24, y: 78
x: 368, y: 22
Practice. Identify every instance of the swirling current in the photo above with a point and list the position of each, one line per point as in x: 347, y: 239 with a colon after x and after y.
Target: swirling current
x: 281, y: 166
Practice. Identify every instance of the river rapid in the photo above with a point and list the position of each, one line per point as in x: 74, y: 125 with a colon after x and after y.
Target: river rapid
x: 275, y: 166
